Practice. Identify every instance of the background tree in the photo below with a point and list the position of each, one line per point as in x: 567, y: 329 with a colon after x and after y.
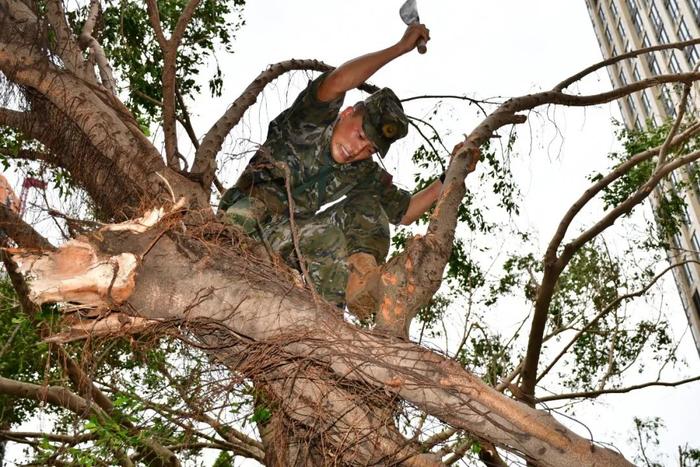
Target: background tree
x: 320, y: 391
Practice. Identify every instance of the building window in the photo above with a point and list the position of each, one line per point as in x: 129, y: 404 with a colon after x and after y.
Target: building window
x: 655, y: 17
x: 645, y: 40
x: 601, y: 14
x: 672, y: 7
x: 613, y: 10
x: 661, y: 34
x: 676, y: 241
x: 637, y: 21
x: 696, y: 244
x: 667, y: 101
x: 653, y: 121
x: 691, y: 53
x: 683, y: 32
x: 635, y: 73
x: 695, y: 5
x: 673, y: 63
x: 674, y: 178
x: 608, y: 36
x: 653, y: 64
x: 696, y: 302
x: 622, y: 78
x: 646, y: 102
x: 632, y: 107
x: 688, y: 272
x: 621, y: 31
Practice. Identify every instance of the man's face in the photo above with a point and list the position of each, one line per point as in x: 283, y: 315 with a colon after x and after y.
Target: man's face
x: 348, y: 141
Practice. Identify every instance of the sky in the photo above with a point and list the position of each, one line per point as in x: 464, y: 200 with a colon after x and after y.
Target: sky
x: 482, y: 49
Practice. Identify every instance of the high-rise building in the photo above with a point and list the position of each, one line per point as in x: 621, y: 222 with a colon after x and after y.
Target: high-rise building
x: 625, y: 25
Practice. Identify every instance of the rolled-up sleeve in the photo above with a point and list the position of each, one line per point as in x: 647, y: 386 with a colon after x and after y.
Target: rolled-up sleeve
x: 393, y: 199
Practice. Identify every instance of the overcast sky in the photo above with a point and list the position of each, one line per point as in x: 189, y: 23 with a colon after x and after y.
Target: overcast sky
x: 482, y: 49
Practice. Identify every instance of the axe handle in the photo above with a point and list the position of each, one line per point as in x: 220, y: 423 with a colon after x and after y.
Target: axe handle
x: 420, y: 45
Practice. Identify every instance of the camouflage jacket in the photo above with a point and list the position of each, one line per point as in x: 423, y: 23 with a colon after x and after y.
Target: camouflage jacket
x: 300, y: 138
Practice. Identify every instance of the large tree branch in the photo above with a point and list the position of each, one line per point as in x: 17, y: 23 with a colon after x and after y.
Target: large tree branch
x: 66, y: 47
x: 252, y: 306
x: 22, y: 233
x: 169, y: 48
x: 107, y: 129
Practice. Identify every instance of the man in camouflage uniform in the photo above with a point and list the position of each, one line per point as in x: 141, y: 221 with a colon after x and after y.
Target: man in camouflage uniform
x: 325, y: 154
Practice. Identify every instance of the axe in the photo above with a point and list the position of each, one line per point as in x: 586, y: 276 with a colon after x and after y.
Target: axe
x: 409, y: 15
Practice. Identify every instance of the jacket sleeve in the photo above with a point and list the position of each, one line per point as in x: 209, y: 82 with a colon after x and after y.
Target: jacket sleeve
x: 393, y: 199
x: 308, y: 115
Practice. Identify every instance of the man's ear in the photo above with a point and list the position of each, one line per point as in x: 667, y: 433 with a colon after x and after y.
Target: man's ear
x: 347, y: 112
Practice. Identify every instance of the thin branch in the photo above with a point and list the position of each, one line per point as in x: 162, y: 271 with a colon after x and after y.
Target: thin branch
x: 628, y: 204
x: 154, y: 17
x: 663, y: 152
x: 183, y: 21
x: 578, y: 76
x: 435, y: 132
x: 594, y: 394
x: 184, y: 118
x: 87, y: 40
x: 612, y: 305
x: 601, y: 184
x: 477, y: 102
x: 19, y: 436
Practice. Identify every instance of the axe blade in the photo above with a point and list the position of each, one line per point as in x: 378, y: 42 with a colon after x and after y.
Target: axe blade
x: 409, y: 15
x: 409, y: 12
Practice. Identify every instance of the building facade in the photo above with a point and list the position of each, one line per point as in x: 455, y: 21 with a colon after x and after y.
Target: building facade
x: 625, y: 25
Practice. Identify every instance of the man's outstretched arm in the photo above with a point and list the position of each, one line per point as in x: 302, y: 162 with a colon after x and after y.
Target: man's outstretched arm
x: 354, y: 72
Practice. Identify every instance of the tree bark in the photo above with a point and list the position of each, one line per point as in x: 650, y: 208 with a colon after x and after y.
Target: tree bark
x: 265, y: 327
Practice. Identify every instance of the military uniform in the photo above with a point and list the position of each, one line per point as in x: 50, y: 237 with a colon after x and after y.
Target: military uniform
x: 299, y: 138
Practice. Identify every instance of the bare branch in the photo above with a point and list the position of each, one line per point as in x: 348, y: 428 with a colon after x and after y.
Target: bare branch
x: 628, y: 204
x: 594, y: 394
x: 87, y: 40
x: 598, y: 186
x: 55, y: 395
x: 26, y: 437
x: 663, y: 152
x: 154, y: 17
x: 569, y: 81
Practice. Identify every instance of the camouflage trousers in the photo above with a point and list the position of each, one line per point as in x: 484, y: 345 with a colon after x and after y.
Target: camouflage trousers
x: 356, y: 224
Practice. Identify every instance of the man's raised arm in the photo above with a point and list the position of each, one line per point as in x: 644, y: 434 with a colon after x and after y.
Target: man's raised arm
x: 354, y: 72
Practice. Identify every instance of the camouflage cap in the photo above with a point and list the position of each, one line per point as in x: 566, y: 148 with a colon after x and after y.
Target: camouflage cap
x: 384, y: 120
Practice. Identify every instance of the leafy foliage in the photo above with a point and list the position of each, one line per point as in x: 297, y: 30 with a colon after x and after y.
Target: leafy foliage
x: 128, y: 40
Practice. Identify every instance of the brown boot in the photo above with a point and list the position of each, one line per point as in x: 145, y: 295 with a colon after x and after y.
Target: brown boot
x: 361, y: 293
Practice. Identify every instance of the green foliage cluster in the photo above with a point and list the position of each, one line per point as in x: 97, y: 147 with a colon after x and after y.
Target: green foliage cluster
x: 128, y: 40
x: 22, y: 354
x: 670, y: 209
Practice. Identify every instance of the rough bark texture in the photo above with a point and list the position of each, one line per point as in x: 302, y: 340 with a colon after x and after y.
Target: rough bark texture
x: 247, y: 316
